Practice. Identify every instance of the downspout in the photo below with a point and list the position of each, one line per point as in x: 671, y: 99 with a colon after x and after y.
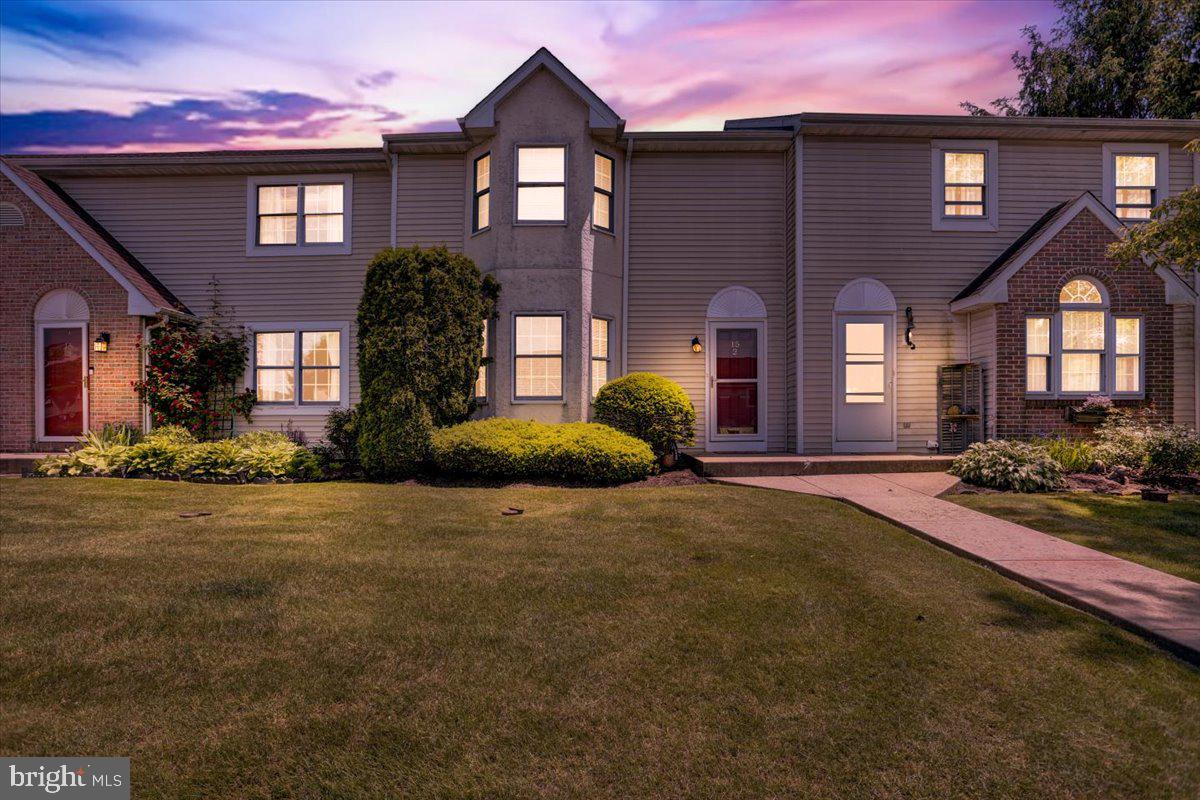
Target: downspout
x: 799, y: 292
x: 146, y: 328
x: 395, y: 164
x: 1196, y: 315
x: 625, y: 262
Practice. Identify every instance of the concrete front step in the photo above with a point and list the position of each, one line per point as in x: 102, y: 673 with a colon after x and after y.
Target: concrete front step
x: 19, y: 463
x: 720, y: 465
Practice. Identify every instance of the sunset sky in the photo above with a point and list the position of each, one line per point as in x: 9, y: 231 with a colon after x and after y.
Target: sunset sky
x: 101, y: 76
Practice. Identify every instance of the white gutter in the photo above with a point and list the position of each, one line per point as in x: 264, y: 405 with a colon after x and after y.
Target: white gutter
x: 799, y: 292
x: 395, y: 165
x: 625, y: 262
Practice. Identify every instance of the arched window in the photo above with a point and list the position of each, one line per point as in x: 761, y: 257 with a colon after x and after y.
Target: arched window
x: 1084, y: 349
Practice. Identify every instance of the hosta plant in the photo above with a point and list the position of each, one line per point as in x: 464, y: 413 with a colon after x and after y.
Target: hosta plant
x: 1004, y: 464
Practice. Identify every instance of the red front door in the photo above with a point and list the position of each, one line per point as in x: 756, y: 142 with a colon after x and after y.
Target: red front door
x: 62, y: 376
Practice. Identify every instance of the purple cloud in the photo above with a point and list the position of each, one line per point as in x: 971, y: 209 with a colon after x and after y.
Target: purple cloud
x: 187, y: 122
x: 376, y: 80
x: 83, y: 32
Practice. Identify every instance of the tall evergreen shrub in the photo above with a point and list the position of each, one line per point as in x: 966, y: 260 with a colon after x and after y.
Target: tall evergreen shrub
x: 420, y: 337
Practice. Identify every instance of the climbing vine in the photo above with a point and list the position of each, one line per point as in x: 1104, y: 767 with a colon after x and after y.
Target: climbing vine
x: 191, y: 375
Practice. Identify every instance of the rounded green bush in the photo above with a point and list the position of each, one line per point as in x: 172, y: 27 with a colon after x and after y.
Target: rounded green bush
x: 511, y: 448
x: 650, y: 407
x: 393, y: 435
x: 1004, y: 464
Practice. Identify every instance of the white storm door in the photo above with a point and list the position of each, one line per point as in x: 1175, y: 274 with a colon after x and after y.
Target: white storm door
x: 863, y: 380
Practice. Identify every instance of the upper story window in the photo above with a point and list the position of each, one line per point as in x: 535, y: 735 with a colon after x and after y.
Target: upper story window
x: 481, y: 216
x: 541, y: 184
x: 537, y: 357
x: 965, y: 174
x: 602, y: 194
x: 1135, y: 179
x: 1135, y: 189
x: 307, y: 214
x: 963, y: 187
x: 1084, y: 348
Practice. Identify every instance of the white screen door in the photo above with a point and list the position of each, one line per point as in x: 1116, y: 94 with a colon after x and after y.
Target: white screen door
x: 865, y: 396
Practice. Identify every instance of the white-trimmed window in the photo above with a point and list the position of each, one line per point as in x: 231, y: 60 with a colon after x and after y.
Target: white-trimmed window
x: 537, y: 357
x: 1127, y: 361
x: 600, y: 357
x: 963, y: 190
x: 1135, y: 178
x: 298, y: 365
x: 541, y: 184
x: 602, y: 194
x: 481, y: 215
x: 481, y: 380
x: 290, y: 214
x: 1037, y: 355
x: 1084, y: 349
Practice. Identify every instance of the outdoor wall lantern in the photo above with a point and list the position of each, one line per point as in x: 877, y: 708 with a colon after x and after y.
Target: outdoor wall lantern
x: 696, y: 346
x: 100, y: 345
x: 909, y: 327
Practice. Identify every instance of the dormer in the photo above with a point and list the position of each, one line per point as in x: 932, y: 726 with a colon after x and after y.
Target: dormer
x: 480, y: 121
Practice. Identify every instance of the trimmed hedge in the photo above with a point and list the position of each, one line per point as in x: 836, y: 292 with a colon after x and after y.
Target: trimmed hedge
x: 513, y: 448
x: 650, y: 407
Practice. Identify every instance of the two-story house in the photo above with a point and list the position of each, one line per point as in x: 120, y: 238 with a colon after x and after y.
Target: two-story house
x: 803, y: 277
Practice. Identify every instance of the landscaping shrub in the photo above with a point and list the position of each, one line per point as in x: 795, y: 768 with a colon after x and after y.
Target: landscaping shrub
x: 650, y: 407
x: 1003, y: 464
x: 278, y: 459
x: 221, y: 459
x: 99, y: 453
x: 1124, y: 438
x: 172, y: 450
x: 1073, y: 455
x: 515, y: 449
x: 157, y: 456
x: 339, y: 452
x: 393, y: 435
x: 420, y: 342
x: 173, y: 434
x: 1171, y: 453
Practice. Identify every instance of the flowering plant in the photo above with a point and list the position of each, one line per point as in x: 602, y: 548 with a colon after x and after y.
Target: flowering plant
x: 191, y: 374
x: 1095, y: 404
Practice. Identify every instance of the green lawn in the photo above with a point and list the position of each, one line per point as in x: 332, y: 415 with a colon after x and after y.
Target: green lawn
x: 1162, y: 536
x: 367, y: 641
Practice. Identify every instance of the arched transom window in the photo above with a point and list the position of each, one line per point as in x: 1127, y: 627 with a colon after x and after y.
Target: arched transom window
x: 1084, y: 349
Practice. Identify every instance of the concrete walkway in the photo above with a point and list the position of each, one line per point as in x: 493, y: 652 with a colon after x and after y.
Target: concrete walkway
x: 1156, y: 605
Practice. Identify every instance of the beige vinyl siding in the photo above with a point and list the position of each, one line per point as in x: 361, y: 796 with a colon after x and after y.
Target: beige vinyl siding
x: 188, y: 229
x: 982, y: 350
x: 431, y: 198
x: 698, y: 223
x: 867, y: 214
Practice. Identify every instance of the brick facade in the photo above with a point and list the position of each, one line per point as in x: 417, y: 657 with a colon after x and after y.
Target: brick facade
x: 1079, y: 249
x: 38, y: 257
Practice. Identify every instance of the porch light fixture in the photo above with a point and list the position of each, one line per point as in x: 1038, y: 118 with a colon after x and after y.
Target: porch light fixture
x: 100, y: 344
x: 696, y: 346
